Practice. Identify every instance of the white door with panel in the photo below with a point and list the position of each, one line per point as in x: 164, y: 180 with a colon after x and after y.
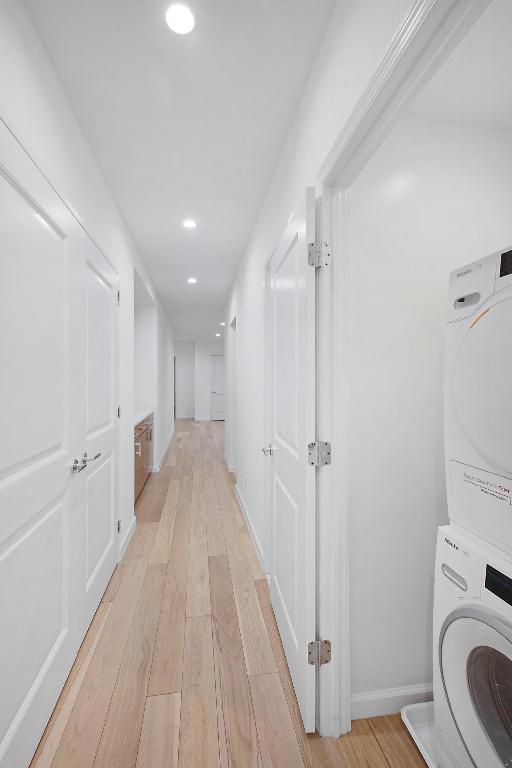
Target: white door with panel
x: 217, y: 391
x: 98, y: 496
x: 56, y: 554
x: 291, y: 426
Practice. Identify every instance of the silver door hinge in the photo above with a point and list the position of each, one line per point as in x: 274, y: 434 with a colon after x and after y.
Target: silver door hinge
x: 119, y: 526
x: 118, y: 411
x: 319, y: 254
x: 319, y: 652
x: 319, y: 454
x: 119, y: 297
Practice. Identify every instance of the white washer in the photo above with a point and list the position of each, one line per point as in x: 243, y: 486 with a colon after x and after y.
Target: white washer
x: 472, y: 653
x: 478, y: 398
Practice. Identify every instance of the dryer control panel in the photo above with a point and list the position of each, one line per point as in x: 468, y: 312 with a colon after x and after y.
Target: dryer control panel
x: 472, y: 285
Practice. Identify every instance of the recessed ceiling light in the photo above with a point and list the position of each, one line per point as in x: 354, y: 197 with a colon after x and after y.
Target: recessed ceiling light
x: 192, y: 280
x: 189, y: 224
x: 223, y: 323
x: 217, y: 334
x: 180, y: 18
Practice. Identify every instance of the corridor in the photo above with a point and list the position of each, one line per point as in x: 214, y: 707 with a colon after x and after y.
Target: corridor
x: 183, y: 664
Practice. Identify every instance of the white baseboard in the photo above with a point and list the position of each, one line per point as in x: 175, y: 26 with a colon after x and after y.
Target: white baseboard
x: 254, y: 535
x: 127, y: 536
x: 158, y: 467
x: 233, y: 468
x: 388, y: 701
x: 202, y: 419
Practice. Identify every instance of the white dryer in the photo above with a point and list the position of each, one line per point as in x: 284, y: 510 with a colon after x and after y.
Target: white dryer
x: 472, y: 653
x: 478, y: 398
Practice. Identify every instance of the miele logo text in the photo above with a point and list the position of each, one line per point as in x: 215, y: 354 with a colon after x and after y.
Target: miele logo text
x: 450, y: 543
x: 468, y: 270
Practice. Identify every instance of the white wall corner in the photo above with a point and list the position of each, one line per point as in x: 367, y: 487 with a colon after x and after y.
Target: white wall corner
x: 388, y: 701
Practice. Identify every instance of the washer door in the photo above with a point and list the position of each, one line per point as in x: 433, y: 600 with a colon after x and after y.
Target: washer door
x: 482, y: 383
x: 476, y: 667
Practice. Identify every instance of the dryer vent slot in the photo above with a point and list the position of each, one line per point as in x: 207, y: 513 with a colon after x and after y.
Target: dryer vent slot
x: 467, y: 301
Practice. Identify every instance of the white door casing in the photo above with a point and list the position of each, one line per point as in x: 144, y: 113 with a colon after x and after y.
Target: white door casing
x: 49, y: 515
x: 291, y: 390
x: 218, y: 388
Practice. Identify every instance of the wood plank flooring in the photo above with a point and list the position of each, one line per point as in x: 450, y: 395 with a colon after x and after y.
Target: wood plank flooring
x: 183, y: 665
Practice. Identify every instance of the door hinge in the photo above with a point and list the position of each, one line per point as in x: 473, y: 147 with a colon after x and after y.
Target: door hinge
x: 319, y: 254
x: 319, y: 652
x: 319, y: 454
x: 118, y: 411
x: 119, y: 526
x: 119, y: 297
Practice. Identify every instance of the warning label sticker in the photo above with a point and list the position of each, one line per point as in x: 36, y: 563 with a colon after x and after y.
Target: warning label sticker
x: 495, y: 489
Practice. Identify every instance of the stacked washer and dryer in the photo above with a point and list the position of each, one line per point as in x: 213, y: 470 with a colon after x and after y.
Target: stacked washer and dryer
x: 473, y: 572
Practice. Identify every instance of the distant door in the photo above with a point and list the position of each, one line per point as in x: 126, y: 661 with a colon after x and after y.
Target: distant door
x: 217, y: 391
x: 57, y: 352
x: 291, y: 425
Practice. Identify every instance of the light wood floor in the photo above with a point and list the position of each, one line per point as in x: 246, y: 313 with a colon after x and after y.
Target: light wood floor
x: 183, y: 664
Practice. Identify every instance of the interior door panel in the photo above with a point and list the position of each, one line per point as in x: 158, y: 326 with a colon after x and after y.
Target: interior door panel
x: 292, y: 425
x: 39, y: 522
x: 58, y: 384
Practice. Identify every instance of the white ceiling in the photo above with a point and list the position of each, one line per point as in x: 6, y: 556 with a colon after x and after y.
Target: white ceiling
x: 185, y: 126
x: 474, y: 85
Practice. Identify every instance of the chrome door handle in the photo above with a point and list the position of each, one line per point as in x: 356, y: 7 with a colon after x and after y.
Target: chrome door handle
x: 138, y: 449
x: 77, y: 465
x: 268, y: 450
x: 86, y: 458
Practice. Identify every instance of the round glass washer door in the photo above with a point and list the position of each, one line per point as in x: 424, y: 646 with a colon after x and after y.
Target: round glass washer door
x: 482, y: 384
x: 476, y: 667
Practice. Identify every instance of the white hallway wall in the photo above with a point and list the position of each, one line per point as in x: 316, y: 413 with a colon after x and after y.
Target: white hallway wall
x: 433, y: 198
x: 35, y: 106
x: 145, y: 352
x: 231, y: 426
x: 185, y: 379
x: 164, y: 426
x: 357, y: 36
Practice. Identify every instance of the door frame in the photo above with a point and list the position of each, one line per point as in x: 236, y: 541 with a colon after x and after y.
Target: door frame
x: 428, y: 34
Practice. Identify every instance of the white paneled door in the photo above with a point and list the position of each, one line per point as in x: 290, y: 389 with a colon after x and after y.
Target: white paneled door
x: 218, y: 391
x: 291, y: 392
x: 57, y: 399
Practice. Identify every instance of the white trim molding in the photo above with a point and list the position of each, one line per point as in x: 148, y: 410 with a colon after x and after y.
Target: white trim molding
x: 252, y: 531
x: 428, y: 34
x: 127, y: 536
x: 388, y: 701
x: 158, y: 467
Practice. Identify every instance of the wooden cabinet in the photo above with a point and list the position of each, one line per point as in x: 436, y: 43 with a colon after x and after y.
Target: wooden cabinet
x: 143, y: 453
